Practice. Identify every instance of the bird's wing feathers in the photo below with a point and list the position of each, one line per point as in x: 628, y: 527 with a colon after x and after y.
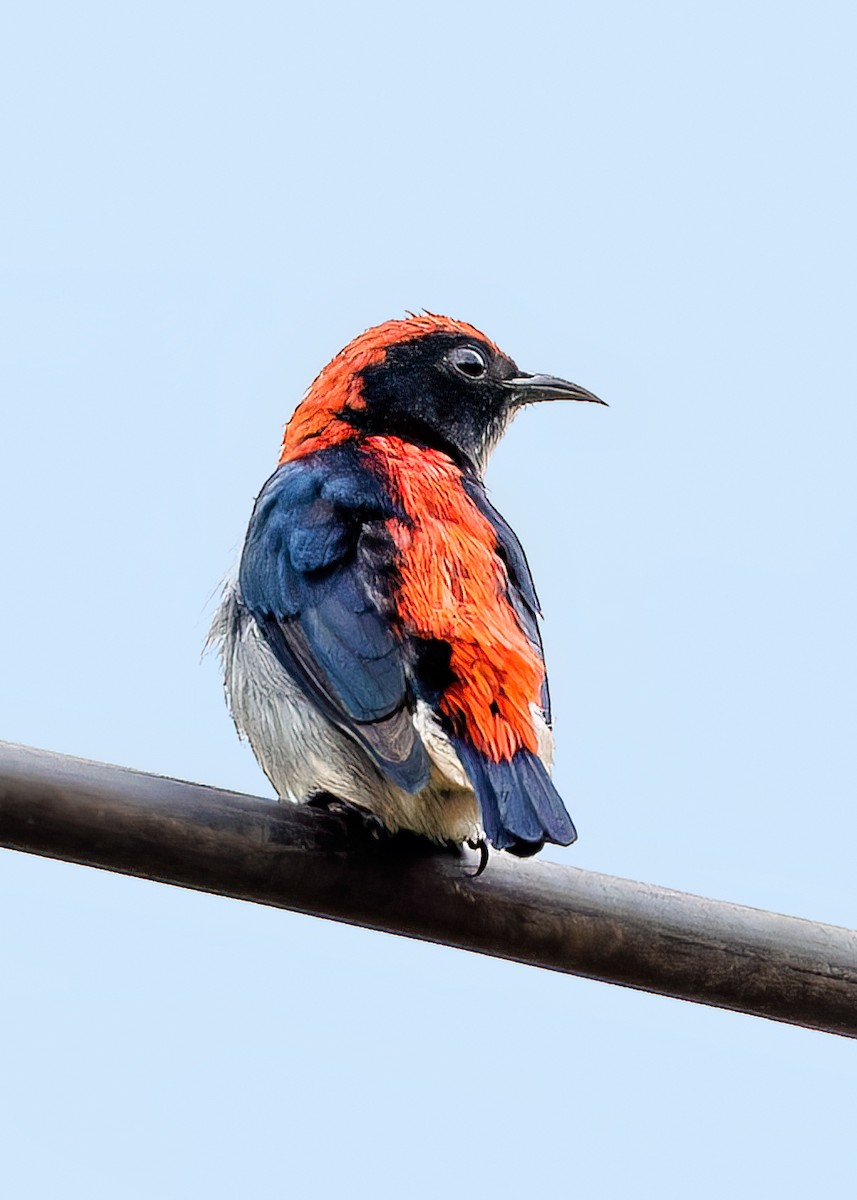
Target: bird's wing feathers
x: 521, y: 591
x: 314, y: 596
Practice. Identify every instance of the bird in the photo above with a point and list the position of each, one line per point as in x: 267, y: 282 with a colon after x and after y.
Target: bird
x: 380, y: 642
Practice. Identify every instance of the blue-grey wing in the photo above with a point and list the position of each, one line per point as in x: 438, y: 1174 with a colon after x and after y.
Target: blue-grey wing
x: 314, y: 580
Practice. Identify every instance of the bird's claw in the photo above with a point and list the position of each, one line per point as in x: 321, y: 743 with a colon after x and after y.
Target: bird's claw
x: 358, y: 820
x: 481, y: 845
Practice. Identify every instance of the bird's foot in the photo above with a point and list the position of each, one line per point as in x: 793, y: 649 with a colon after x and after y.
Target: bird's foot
x: 481, y: 845
x: 358, y: 821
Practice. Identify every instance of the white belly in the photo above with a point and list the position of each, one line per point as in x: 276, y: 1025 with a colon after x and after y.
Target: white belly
x: 303, y: 754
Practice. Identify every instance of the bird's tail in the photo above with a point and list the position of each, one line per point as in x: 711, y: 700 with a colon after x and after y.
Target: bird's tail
x: 521, y: 808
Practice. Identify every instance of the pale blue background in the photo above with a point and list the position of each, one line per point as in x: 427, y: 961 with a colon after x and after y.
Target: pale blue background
x: 200, y: 204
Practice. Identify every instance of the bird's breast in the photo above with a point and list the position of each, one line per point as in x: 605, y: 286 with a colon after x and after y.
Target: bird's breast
x: 452, y: 586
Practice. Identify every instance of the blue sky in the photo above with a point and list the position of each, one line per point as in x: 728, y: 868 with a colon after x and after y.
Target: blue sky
x: 201, y: 204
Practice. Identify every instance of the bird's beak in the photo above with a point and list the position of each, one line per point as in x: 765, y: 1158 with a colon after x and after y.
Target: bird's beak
x: 528, y: 389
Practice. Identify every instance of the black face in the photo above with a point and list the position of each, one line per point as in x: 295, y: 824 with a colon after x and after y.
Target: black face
x: 443, y: 390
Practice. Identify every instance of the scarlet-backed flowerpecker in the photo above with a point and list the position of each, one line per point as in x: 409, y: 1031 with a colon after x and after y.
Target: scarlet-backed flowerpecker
x: 380, y: 644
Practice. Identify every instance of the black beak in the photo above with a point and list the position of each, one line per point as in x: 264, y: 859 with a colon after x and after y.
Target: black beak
x: 529, y: 389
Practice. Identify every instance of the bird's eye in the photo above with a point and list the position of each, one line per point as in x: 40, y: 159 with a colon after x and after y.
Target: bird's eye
x: 469, y: 361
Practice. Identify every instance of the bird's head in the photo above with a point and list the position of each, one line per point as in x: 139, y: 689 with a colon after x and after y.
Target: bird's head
x: 427, y: 379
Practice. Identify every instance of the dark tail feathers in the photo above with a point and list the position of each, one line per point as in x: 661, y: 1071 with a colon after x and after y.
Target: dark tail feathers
x: 521, y: 808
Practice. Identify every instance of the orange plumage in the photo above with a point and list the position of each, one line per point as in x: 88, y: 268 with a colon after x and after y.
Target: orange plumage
x: 452, y: 586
